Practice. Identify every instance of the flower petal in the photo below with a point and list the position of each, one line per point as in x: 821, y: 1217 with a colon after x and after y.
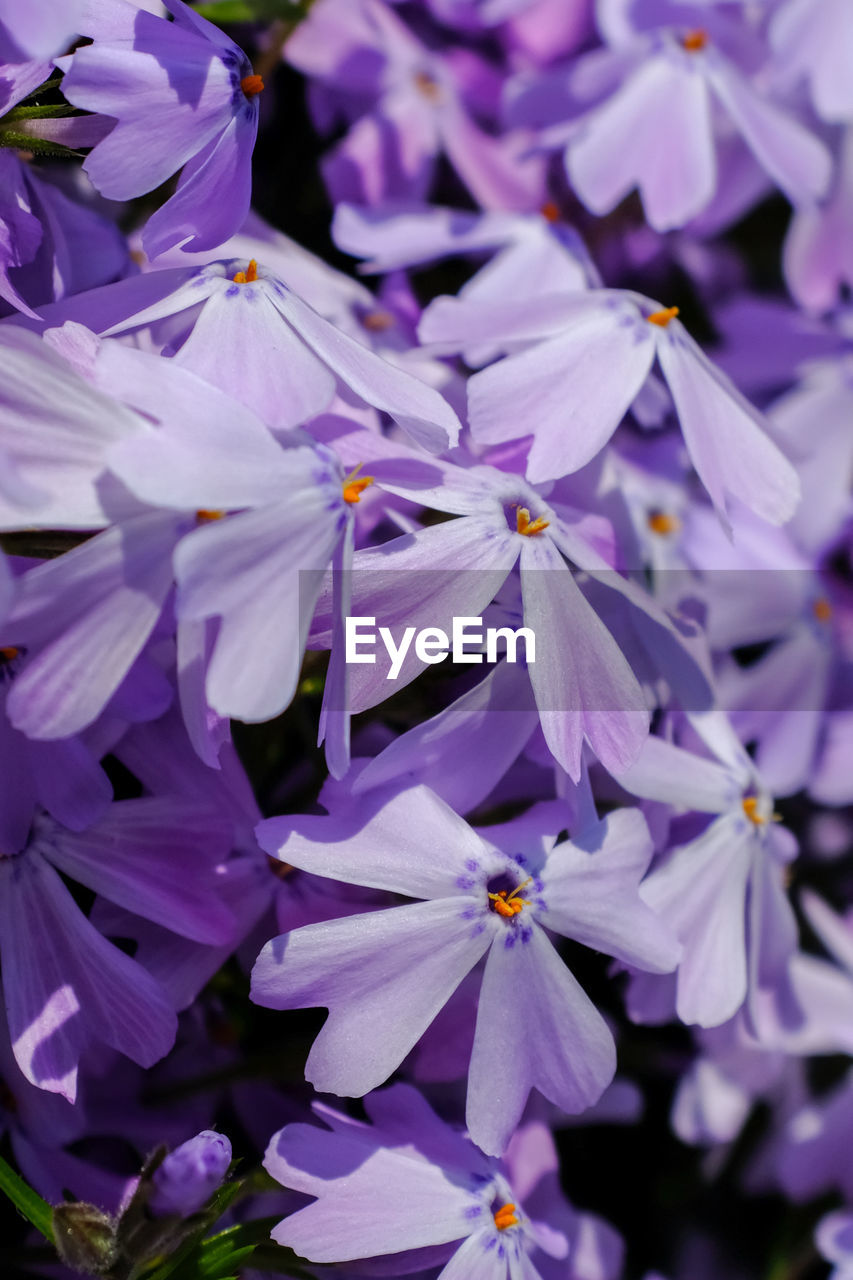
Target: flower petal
x: 535, y: 1028
x: 383, y: 977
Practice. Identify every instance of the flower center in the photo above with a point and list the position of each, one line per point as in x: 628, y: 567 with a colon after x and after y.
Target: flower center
x: 694, y: 41
x: 9, y: 652
x: 354, y: 485
x: 377, y: 321
x: 428, y: 86
x: 662, y: 523
x: 662, y: 318
x: 505, y: 1217
x: 252, y: 86
x: 507, y: 905
x: 550, y: 212
x: 750, y: 808
x: 822, y: 610
x: 529, y: 527
x: 249, y: 276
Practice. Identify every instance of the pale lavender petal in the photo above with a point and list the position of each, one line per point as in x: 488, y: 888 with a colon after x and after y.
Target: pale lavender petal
x: 570, y: 392
x: 224, y: 570
x: 555, y: 1041
x: 383, y: 977
x: 674, y: 776
x: 418, y: 408
x: 654, y: 133
x: 816, y: 41
x: 583, y: 684
x: 241, y: 345
x: 591, y: 894
x: 411, y: 843
x: 701, y: 892
x: 89, y: 613
x: 724, y: 434
x: 794, y: 158
x: 56, y: 429
x: 476, y: 1259
x: 352, y: 1174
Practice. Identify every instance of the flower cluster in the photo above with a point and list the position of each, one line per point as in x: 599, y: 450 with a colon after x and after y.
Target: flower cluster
x: 582, y: 896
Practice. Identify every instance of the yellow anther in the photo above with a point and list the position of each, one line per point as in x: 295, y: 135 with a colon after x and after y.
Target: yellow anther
x: 529, y: 527
x: 252, y: 85
x: 204, y: 515
x: 354, y: 485
x: 505, y: 1217
x: 249, y: 276
x: 662, y: 523
x: 506, y: 904
x: 750, y: 808
x: 663, y: 317
x: 9, y: 653
x: 428, y: 86
x: 694, y: 41
x: 822, y: 609
x: 550, y: 211
x: 377, y: 321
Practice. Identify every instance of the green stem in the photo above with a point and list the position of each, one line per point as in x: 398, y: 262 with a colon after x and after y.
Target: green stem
x: 26, y: 1201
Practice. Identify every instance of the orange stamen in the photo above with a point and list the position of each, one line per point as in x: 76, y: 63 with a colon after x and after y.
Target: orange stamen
x: 529, y: 527
x: 252, y: 85
x: 505, y: 1217
x: 249, y: 276
x: 660, y: 522
x: 822, y: 609
x: 750, y: 808
x: 694, y: 41
x: 550, y: 211
x: 203, y: 515
x: 428, y: 86
x: 9, y: 653
x: 377, y: 321
x: 663, y: 317
x: 354, y: 485
x: 506, y: 903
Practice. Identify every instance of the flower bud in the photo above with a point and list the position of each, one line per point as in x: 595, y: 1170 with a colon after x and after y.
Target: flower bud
x: 85, y: 1238
x: 188, y: 1177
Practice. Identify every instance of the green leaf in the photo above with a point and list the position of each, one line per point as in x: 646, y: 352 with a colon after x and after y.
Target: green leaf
x: 26, y: 1201
x: 254, y: 10
x: 37, y: 113
x: 38, y: 146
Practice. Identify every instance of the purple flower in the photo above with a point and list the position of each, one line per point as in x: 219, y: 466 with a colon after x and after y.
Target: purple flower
x: 65, y: 986
x: 410, y: 105
x: 190, y: 1174
x: 384, y: 976
x: 722, y: 892
x: 259, y: 342
x: 182, y: 94
x: 656, y: 130
x: 577, y: 363
x: 409, y: 1188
